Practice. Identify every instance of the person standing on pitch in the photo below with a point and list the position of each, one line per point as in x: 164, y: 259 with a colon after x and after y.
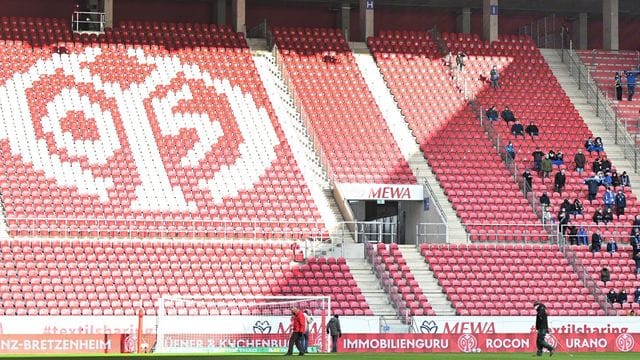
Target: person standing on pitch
x: 305, y: 337
x: 542, y: 326
x: 333, y: 329
x: 298, y: 326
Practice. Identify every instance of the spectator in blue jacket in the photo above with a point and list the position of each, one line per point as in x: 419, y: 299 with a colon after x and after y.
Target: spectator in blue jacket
x: 510, y: 150
x: 583, y: 239
x: 631, y: 83
x: 609, y: 198
x: 612, y: 246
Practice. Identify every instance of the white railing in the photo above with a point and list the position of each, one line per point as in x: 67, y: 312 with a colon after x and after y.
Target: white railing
x: 87, y: 21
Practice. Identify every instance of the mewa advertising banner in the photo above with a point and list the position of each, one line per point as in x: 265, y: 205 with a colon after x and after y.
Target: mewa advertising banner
x: 498, y: 342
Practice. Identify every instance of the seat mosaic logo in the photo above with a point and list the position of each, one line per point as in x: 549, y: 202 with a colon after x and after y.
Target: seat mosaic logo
x: 76, y: 118
x: 262, y: 327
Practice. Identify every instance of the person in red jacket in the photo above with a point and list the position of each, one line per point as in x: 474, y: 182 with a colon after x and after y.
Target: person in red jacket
x: 298, y: 326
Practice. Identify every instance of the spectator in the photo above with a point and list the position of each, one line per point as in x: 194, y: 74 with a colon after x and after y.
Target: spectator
x: 460, y: 60
x: 594, y: 145
x: 563, y: 221
x: 517, y: 129
x: 528, y: 181
x: 532, y: 130
x: 579, y: 160
x: 510, y: 150
x: 631, y: 313
x: 634, y: 241
x: 593, y: 183
x: 605, y: 275
x: 582, y: 236
x: 615, y: 179
x: 596, y: 166
x: 333, y: 329
x: 631, y: 83
x: 608, y: 198
x: 612, y: 296
x: 636, y: 222
x: 507, y: 115
x: 546, y: 215
x: 494, y: 76
x: 552, y: 155
x: 622, y: 296
x: 560, y: 181
x: 612, y: 246
x: 607, y: 180
x: 576, y: 207
x: 636, y: 295
x: 624, y: 180
x: 492, y: 113
x: 621, y: 203
x: 605, y: 164
x: 618, y: 85
x: 558, y: 160
x: 566, y: 206
x: 637, y: 259
x: 537, y: 159
x: 598, y: 216
x: 547, y: 167
x: 607, y: 217
x: 573, y: 235
x: 544, y: 199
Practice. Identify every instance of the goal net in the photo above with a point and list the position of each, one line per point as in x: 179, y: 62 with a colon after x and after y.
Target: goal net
x: 215, y: 324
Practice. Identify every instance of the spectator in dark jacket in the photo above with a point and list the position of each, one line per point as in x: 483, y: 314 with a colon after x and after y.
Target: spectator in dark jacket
x: 579, y: 160
x: 532, y: 130
x: 636, y: 222
x: 615, y: 179
x: 566, y: 206
x: 621, y: 203
x: 517, y: 129
x: 624, y: 180
x: 612, y: 246
x: 605, y: 275
x: 617, y: 82
x: 636, y: 295
x: 494, y: 76
x: 528, y: 181
x: 612, y: 296
x: 537, y: 159
x: 605, y: 164
x: 598, y: 216
x: 593, y: 183
x: 563, y: 221
x: 544, y: 199
x: 576, y: 207
x: 559, y: 181
x: 607, y: 217
x: 631, y: 83
x: 492, y: 113
x: 622, y: 296
x: 507, y: 115
x: 596, y: 166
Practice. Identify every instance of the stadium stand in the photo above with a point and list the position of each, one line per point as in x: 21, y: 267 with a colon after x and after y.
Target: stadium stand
x: 80, y: 170
x: 397, y: 280
x: 340, y: 112
x: 91, y: 277
x: 461, y: 156
x: 602, y: 66
x: 501, y: 280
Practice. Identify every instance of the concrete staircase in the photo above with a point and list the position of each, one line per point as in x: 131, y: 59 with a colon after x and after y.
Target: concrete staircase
x: 296, y: 133
x: 614, y: 152
x: 428, y: 283
x: 377, y: 299
x: 404, y: 138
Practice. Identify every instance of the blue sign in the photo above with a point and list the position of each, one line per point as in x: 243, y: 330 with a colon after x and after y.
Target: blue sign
x: 493, y: 9
x: 369, y: 5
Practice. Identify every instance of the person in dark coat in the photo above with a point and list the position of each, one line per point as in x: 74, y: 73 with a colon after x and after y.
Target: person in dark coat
x: 621, y: 203
x: 573, y: 235
x: 566, y: 206
x: 622, y: 296
x: 507, y: 115
x: 544, y: 199
x: 612, y: 246
x: 517, y: 129
x: 615, y: 179
x: 605, y: 164
x: 636, y: 222
x: 636, y: 295
x: 612, y: 296
x: 532, y: 130
x: 618, y: 84
x: 576, y: 207
x: 494, y: 76
x: 605, y: 275
x: 596, y: 166
x: 542, y: 327
x: 596, y: 241
x: 537, y: 159
x: 631, y: 83
x: 624, y: 180
x: 579, y: 160
x: 607, y: 217
x: 593, y: 183
x: 563, y: 221
x: 559, y: 181
x: 528, y: 181
x: 492, y: 113
x: 333, y: 329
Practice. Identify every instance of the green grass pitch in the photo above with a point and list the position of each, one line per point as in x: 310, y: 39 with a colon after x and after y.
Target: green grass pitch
x: 345, y: 356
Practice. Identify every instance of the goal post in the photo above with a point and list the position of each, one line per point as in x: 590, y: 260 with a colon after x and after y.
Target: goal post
x: 217, y: 324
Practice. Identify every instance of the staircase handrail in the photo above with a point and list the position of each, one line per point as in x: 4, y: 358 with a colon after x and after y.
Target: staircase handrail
x: 589, y: 282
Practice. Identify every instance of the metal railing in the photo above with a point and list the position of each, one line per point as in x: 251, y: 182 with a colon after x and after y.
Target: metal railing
x: 259, y: 31
x: 543, y: 32
x: 602, y: 106
x: 589, y: 282
x: 432, y: 233
x: 89, y: 21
